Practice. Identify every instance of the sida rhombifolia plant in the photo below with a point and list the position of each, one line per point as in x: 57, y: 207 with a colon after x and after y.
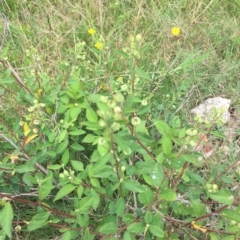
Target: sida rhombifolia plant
x: 120, y: 172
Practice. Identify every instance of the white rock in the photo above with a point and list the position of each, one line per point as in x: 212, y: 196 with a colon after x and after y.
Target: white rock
x: 206, y: 109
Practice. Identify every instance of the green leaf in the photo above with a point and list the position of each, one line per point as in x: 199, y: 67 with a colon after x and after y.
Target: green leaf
x: 62, y: 146
x: 223, y: 196
x: 46, y: 186
x: 109, y: 228
x: 77, y: 132
x: 75, y: 111
x: 62, y: 135
x: 83, y: 220
x: 39, y: 220
x: 77, y: 147
x: 6, y: 217
x: 54, y: 167
x: 148, y: 217
x: 122, y: 54
x: 91, y: 115
x: 166, y: 145
x: 230, y: 214
x: 132, y: 185
x: 105, y: 172
x: 65, y: 190
x: 156, y: 174
x: 142, y: 73
x: 214, y: 236
x: 65, y: 157
x: 24, y: 168
x: 218, y: 134
x: 88, y: 235
x: 99, y: 165
x: 128, y: 236
x: 103, y: 149
x: 189, y: 158
x: 77, y: 165
x: 156, y: 231
x: 120, y: 206
x: 136, y: 228
x: 162, y: 127
x: 127, y: 108
x: 199, y: 209
x: 119, y: 140
x: 80, y: 191
x: 128, y: 218
x: 168, y: 195
x: 146, y: 197
x: 85, y: 204
x: 67, y: 236
x: 89, y: 138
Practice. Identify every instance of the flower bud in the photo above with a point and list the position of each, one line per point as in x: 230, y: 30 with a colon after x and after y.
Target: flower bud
x: 118, y: 97
x: 135, y: 121
x: 103, y: 99
x: 138, y: 37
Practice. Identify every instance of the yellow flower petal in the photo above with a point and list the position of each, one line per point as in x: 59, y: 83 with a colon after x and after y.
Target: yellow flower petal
x: 175, y: 31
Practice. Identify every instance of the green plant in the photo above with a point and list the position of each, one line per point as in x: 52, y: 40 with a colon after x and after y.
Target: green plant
x: 96, y: 140
x: 120, y: 172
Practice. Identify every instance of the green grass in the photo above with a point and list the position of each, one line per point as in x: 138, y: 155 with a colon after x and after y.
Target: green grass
x: 202, y: 62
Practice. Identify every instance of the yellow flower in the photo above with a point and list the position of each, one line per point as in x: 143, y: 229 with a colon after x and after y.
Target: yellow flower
x: 91, y: 31
x: 175, y: 31
x: 99, y: 45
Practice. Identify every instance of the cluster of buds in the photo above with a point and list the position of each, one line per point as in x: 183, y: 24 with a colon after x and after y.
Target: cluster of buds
x: 212, y: 188
x: 134, y: 46
x: 112, y: 114
x: 67, y: 174
x: 191, y: 137
x: 33, y: 118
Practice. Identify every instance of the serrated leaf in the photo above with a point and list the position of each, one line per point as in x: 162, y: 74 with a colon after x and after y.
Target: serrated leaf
x: 85, y: 204
x: 146, y: 197
x: 65, y: 157
x: 91, y: 115
x: 65, y: 190
x: 89, y: 138
x: 77, y: 132
x: 128, y: 218
x: 156, y: 231
x: 75, y: 111
x: 62, y: 146
x: 39, y: 220
x: 148, y: 217
x: 120, y: 206
x: 77, y: 147
x: 168, y: 195
x: 230, y: 214
x: 199, y: 209
x: 6, y: 217
x: 77, y: 165
x: 108, y: 228
x: 62, y: 135
x: 136, y: 228
x: 223, y: 196
x: 166, y: 145
x: 54, y: 166
x: 132, y: 185
x: 162, y: 127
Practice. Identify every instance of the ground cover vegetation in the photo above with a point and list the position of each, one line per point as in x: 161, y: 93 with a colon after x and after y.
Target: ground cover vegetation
x: 96, y: 136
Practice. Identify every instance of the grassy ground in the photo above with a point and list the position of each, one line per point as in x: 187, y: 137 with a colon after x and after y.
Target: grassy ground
x: 203, y: 61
